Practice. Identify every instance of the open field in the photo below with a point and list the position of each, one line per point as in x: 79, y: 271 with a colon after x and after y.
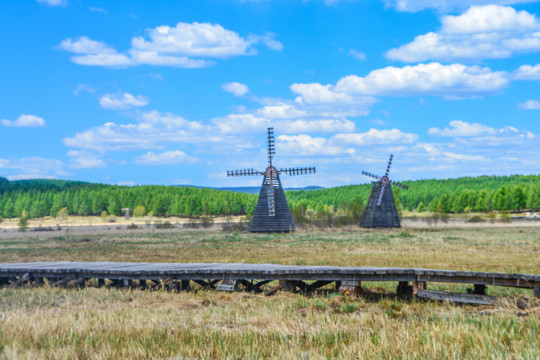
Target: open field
x: 102, y: 323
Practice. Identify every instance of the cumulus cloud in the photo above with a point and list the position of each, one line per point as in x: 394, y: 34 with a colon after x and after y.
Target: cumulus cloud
x: 530, y: 105
x: 374, y: 136
x: 164, y: 158
x: 185, y: 45
x: 527, y: 72
x: 85, y: 160
x: 235, y: 88
x: 24, y: 121
x: 455, y: 80
x: 462, y: 129
x: 33, y: 167
x: 467, y: 134
x: 482, y: 32
x: 122, y: 101
x: 305, y: 145
x: 152, y: 130
x: 446, y: 5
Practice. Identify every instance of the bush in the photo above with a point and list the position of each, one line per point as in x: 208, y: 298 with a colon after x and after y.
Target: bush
x: 476, y: 219
x: 132, y: 226
x: 139, y: 211
x: 62, y: 214
x: 165, y: 225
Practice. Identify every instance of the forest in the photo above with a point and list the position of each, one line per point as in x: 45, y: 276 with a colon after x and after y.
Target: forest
x: 43, y: 197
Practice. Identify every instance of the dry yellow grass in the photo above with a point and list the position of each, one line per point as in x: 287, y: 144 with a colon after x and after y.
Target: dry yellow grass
x: 100, y: 323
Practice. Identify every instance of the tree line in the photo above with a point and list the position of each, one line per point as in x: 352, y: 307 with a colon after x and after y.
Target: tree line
x: 39, y: 198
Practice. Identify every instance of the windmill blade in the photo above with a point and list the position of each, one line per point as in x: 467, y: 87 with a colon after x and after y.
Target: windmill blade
x: 244, y: 172
x: 371, y: 175
x: 389, y: 165
x: 381, y: 194
x: 298, y: 171
x: 399, y: 185
x: 271, y: 145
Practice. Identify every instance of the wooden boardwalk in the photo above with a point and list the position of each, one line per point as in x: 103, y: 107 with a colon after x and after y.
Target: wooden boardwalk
x: 228, y: 276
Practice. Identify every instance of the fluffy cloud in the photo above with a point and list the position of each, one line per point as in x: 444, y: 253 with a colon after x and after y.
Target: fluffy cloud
x: 455, y: 80
x: 25, y: 121
x: 164, y: 158
x: 235, y: 88
x: 305, y: 145
x: 530, y: 105
x: 527, y: 72
x: 33, y: 168
x: 185, y: 45
x: 467, y: 134
x: 462, y: 129
x: 84, y: 160
x: 122, y: 101
x: 374, y: 136
x: 482, y: 32
x: 445, y: 5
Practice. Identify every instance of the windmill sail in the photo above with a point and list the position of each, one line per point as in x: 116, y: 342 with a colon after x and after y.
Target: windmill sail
x: 381, y: 208
x: 272, y: 213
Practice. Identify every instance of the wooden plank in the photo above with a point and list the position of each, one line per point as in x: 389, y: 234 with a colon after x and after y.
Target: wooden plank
x: 455, y: 297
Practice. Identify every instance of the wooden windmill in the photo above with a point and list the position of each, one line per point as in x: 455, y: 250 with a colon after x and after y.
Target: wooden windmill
x: 381, y: 208
x: 272, y: 213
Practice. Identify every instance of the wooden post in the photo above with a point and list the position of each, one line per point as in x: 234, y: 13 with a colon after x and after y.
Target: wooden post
x: 536, y: 292
x: 351, y: 288
x: 418, y: 285
x: 404, y: 289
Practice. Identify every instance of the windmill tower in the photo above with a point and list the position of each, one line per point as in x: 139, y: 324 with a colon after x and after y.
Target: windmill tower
x: 381, y: 208
x: 272, y: 213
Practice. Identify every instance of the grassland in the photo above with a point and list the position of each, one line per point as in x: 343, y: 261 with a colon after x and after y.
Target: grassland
x: 98, y: 323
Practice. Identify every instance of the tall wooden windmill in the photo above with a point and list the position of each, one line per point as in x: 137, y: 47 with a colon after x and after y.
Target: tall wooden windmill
x: 272, y: 213
x: 381, y: 208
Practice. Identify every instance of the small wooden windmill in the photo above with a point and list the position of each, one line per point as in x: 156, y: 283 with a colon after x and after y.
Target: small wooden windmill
x: 272, y: 213
x: 381, y: 208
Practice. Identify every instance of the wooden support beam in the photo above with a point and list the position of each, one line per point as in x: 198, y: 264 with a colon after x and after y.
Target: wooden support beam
x: 536, y: 292
x: 455, y: 297
x: 63, y: 281
x: 228, y: 285
x: 351, y: 288
x: 418, y: 285
x: 20, y: 281
x: 185, y: 285
x: 404, y: 289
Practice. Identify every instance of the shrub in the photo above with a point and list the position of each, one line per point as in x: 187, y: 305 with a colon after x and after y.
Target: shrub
x: 476, y: 219
x: 132, y: 226
x: 165, y: 225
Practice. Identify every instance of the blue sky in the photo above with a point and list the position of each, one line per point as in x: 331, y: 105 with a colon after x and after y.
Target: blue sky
x: 178, y: 92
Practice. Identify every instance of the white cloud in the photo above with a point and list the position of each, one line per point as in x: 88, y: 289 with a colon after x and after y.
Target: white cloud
x: 33, y: 167
x: 164, y: 158
x: 235, y: 88
x: 374, y: 136
x: 122, y: 101
x: 305, y: 145
x: 98, y: 9
x: 85, y: 160
x: 455, y: 80
x: 446, y: 5
x: 25, y: 121
x: 153, y: 130
x: 358, y: 55
x: 482, y: 32
x: 530, y: 105
x: 527, y: 72
x: 185, y: 45
x: 462, y: 129
x: 53, y: 2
